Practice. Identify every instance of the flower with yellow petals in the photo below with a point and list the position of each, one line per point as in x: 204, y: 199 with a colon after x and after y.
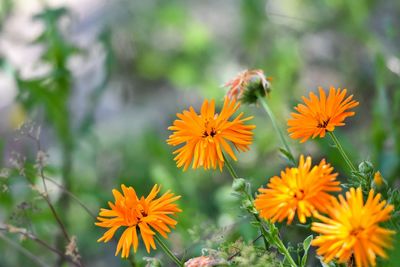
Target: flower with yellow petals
x: 206, y: 136
x: 138, y: 215
x: 302, y: 190
x: 319, y: 115
x: 352, y: 229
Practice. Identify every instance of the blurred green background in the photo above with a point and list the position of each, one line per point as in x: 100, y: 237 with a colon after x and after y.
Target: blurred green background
x: 104, y: 80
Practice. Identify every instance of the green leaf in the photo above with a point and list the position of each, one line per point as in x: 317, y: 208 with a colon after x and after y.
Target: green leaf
x: 286, y: 154
x: 306, y: 247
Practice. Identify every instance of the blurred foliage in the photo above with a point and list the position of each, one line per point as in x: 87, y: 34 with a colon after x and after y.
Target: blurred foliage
x: 159, y: 56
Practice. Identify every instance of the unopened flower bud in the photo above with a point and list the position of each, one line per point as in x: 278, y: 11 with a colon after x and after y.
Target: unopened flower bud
x: 247, y: 85
x: 378, y: 179
x: 366, y: 167
x: 239, y: 184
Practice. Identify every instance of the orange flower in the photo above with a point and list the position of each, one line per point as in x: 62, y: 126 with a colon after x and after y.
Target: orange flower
x: 352, y: 228
x: 320, y: 115
x: 303, y: 190
x: 207, y: 135
x: 240, y: 85
x: 146, y: 215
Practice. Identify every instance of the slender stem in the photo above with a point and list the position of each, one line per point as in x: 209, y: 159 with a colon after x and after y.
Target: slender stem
x: 53, y: 211
x: 132, y: 261
x: 168, y: 251
x: 249, y: 197
x: 23, y: 250
x: 342, y: 152
x: 275, y: 125
x: 13, y: 229
x: 73, y: 196
x: 265, y: 234
x: 284, y: 251
x: 229, y: 167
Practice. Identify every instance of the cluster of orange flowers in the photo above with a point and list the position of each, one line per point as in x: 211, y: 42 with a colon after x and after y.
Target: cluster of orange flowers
x: 348, y: 225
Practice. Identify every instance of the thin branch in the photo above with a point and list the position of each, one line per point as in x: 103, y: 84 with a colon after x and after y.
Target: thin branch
x: 23, y: 250
x: 12, y: 229
x: 73, y: 196
x: 46, y: 195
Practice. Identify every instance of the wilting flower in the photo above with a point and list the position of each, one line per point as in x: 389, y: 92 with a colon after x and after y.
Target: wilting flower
x: 320, y: 115
x: 144, y: 215
x: 352, y: 229
x: 246, y: 84
x: 206, y: 136
x: 202, y: 261
x: 302, y: 190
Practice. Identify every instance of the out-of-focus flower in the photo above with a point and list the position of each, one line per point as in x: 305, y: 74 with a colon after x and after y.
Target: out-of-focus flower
x: 245, y: 86
x: 206, y: 136
x: 319, y: 115
x: 17, y: 116
x: 202, y: 261
x: 302, y: 190
x: 144, y: 215
x: 378, y: 179
x: 352, y: 229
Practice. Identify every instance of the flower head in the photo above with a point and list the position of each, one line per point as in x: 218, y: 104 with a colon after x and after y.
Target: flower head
x: 302, y: 190
x: 352, y: 228
x: 246, y: 84
x: 205, y: 136
x: 320, y: 115
x: 144, y: 215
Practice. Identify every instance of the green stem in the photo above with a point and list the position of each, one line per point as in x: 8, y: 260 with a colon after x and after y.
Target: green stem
x: 284, y: 251
x: 342, y: 152
x: 132, y: 261
x: 277, y: 129
x: 229, y: 167
x: 265, y: 234
x: 168, y: 251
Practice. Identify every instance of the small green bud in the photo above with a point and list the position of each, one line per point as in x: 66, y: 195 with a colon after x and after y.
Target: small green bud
x: 366, y: 167
x: 239, y: 184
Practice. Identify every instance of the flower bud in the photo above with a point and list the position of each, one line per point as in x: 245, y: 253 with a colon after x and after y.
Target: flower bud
x: 239, y: 184
x: 366, y: 167
x: 378, y: 179
x: 247, y: 85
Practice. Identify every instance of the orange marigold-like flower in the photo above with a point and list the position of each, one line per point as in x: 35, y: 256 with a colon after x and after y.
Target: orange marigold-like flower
x: 352, y: 228
x: 146, y: 215
x: 302, y: 190
x: 239, y: 85
x: 320, y: 115
x: 205, y: 136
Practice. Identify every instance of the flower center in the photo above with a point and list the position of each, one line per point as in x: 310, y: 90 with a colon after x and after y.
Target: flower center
x: 299, y: 194
x: 211, y: 133
x: 209, y: 130
x: 323, y: 124
x: 355, y: 232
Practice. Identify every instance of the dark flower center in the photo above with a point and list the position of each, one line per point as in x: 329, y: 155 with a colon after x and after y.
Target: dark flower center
x: 323, y: 124
x: 299, y: 194
x: 211, y: 133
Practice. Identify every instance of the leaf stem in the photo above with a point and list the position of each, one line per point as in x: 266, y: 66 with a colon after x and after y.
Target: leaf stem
x: 276, y: 127
x: 168, y: 251
x: 230, y: 168
x: 342, y: 152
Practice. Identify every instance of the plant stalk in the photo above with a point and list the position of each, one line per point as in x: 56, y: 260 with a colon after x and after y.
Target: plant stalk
x: 276, y: 127
x: 168, y: 251
x: 342, y: 152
